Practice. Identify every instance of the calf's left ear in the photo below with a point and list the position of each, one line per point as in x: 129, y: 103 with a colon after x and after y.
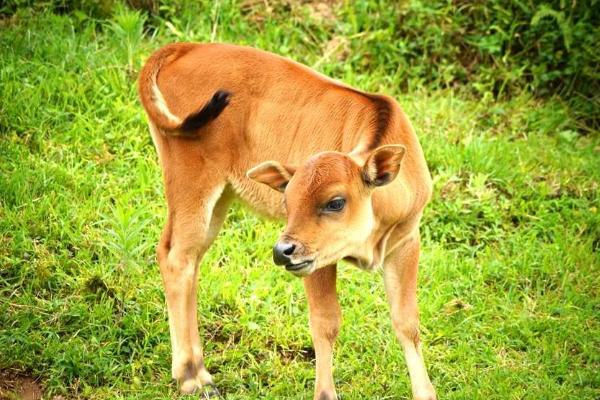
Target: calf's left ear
x: 383, y: 164
x: 272, y: 173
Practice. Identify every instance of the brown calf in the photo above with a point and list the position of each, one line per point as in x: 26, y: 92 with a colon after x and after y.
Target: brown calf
x: 216, y: 113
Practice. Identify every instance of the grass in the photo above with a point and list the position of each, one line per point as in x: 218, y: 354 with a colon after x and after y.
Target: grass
x: 510, y: 269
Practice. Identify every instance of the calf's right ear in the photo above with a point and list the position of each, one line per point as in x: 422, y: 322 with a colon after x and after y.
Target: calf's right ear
x: 272, y: 173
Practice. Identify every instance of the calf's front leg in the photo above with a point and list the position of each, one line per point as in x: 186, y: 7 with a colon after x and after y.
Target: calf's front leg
x: 400, y: 274
x: 325, y: 319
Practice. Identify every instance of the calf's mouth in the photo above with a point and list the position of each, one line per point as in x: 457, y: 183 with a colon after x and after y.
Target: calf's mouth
x: 301, y: 268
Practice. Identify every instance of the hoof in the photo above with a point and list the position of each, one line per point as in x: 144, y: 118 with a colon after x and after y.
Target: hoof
x: 209, y: 391
x: 189, y: 386
x: 327, y: 396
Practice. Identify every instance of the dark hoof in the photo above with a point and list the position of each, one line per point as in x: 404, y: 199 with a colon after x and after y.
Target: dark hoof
x: 210, y: 391
x: 328, y: 396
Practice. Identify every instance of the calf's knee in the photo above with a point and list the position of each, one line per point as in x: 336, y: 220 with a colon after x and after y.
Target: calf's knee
x: 326, y: 326
x: 407, y: 331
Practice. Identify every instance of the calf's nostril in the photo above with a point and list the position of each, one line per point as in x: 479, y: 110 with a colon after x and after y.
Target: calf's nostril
x: 282, y: 253
x: 289, y: 250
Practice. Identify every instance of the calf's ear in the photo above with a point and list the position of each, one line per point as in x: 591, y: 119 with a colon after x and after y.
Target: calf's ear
x: 273, y: 174
x: 383, y: 164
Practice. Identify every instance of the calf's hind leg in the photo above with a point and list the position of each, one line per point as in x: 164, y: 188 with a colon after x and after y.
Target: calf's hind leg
x: 400, y: 274
x: 218, y: 216
x: 192, y: 225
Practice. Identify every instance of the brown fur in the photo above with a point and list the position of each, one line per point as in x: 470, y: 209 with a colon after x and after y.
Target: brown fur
x: 326, y: 140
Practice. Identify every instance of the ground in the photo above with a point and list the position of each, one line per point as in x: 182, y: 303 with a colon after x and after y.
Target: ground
x: 510, y: 271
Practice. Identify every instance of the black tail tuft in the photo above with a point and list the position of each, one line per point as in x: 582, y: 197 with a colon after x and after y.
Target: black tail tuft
x: 207, y: 113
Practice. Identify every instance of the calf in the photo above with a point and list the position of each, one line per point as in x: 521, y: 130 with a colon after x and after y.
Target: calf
x: 349, y: 176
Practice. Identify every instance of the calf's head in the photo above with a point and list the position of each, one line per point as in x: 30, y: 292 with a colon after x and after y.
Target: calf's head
x: 328, y: 204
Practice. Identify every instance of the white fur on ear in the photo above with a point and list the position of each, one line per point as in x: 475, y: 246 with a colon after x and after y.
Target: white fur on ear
x: 383, y: 164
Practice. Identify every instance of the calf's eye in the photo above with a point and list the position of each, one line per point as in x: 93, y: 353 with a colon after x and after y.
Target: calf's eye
x: 335, y: 205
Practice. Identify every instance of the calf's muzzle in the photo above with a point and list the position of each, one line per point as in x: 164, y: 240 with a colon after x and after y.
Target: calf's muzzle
x: 282, y: 252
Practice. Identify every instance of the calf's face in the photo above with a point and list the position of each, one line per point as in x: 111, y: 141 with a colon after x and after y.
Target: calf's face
x: 328, y: 204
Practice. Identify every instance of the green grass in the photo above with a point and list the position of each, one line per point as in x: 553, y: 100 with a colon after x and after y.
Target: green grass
x: 510, y: 273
